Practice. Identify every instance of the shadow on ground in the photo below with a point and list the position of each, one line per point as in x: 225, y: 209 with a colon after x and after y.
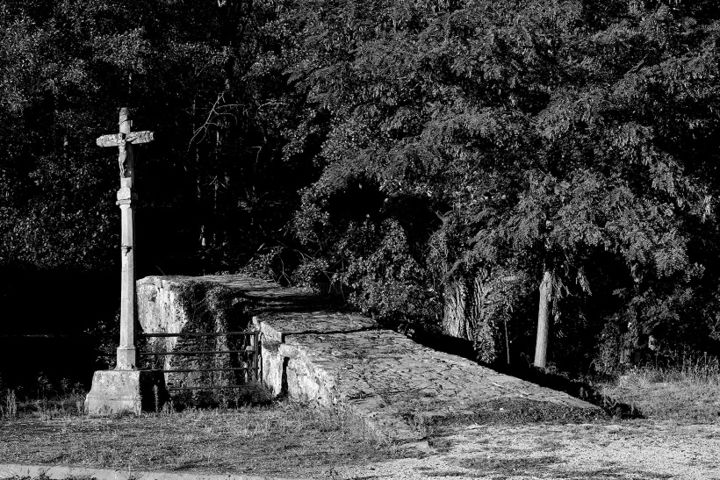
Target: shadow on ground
x: 578, y: 389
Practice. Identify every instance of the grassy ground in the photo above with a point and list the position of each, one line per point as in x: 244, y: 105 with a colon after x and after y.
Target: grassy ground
x: 679, y: 394
x: 678, y: 438
x: 280, y: 438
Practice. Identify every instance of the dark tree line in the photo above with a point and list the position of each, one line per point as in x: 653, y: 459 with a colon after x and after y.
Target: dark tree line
x: 475, y: 167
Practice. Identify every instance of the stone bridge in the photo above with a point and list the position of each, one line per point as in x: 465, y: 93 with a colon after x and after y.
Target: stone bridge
x: 313, y: 353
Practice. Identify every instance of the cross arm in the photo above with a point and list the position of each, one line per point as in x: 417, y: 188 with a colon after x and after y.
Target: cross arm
x: 115, y: 139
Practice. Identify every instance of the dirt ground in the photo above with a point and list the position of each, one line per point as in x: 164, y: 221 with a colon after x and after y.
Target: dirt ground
x: 293, y: 441
x: 636, y: 449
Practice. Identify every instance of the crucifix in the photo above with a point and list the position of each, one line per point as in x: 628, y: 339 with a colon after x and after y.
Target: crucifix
x: 124, y: 141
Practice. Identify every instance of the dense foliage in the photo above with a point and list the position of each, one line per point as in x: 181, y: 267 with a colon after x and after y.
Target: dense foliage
x: 467, y: 140
x: 67, y: 68
x: 391, y: 151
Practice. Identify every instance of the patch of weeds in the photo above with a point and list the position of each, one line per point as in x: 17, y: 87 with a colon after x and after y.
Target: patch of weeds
x: 687, y: 392
x: 254, y: 394
x: 8, y: 404
x: 51, y: 401
x: 681, y: 365
x: 440, y: 444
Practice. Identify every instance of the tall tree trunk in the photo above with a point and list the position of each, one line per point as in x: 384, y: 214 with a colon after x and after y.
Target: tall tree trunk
x: 541, y: 341
x: 455, y: 321
x: 473, y: 310
x: 198, y: 180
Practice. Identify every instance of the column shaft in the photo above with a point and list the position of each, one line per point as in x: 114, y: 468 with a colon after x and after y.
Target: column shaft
x: 126, y: 358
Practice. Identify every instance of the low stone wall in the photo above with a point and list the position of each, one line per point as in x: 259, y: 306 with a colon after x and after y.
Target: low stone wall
x: 218, y: 304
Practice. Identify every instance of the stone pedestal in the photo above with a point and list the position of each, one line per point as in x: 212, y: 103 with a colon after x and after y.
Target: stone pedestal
x: 116, y: 392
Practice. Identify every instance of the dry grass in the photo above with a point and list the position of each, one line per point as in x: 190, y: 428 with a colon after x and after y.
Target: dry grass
x: 12, y: 407
x: 689, y: 392
x: 283, y: 438
x: 286, y: 439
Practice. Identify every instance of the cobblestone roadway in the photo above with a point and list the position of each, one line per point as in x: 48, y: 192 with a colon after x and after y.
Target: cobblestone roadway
x: 401, y: 387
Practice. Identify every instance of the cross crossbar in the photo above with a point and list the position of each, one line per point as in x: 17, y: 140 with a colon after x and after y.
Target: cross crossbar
x: 116, y: 139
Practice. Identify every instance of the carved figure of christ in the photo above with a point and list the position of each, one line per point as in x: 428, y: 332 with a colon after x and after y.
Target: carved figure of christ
x: 124, y: 141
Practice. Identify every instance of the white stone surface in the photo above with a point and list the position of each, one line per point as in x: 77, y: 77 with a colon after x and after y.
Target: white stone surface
x: 115, y: 392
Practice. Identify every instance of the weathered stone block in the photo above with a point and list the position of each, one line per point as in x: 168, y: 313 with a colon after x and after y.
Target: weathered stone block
x: 272, y: 367
x: 280, y: 373
x: 194, y: 305
x: 215, y: 304
x: 116, y: 392
x: 275, y: 326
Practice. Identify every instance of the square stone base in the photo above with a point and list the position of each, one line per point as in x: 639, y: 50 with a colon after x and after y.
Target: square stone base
x: 116, y: 392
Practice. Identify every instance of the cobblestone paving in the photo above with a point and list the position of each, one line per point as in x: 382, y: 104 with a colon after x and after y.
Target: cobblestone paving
x: 400, y: 387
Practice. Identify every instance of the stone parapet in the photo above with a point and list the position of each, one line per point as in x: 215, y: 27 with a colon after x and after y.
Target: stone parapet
x: 274, y: 326
x: 212, y: 303
x: 168, y: 303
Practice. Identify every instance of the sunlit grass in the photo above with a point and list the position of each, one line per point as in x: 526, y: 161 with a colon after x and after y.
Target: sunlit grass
x: 687, y: 391
x: 278, y: 438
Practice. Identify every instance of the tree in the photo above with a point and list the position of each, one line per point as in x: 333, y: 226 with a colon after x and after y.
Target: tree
x: 574, y: 138
x: 67, y: 66
x: 430, y: 160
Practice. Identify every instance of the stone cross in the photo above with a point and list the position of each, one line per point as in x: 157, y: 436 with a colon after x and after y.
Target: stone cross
x: 124, y: 141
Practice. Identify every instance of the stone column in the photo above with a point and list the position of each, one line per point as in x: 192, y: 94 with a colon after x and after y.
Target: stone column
x: 126, y: 356
x: 125, y: 389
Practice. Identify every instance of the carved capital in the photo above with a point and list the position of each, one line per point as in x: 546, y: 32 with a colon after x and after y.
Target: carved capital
x: 124, y: 194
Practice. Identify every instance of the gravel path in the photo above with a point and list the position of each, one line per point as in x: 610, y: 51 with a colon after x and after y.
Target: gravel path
x: 639, y: 449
